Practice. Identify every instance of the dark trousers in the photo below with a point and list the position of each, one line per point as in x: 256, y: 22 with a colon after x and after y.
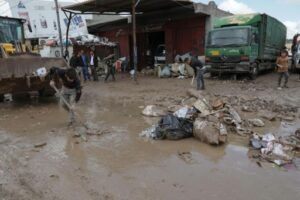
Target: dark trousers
x: 85, y: 72
x: 111, y: 71
x: 200, y: 79
x: 94, y: 73
x: 286, y: 78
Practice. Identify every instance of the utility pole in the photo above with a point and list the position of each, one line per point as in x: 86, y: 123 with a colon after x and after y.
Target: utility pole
x: 59, y: 29
x: 134, y: 39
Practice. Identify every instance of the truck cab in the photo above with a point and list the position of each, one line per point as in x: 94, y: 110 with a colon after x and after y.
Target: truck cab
x: 235, y: 46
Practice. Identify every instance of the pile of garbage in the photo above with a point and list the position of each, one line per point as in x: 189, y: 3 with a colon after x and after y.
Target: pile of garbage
x: 206, y: 119
x: 280, y: 151
x: 211, y: 118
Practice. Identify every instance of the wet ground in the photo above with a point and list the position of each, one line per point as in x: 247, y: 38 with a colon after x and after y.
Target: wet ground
x: 119, y: 164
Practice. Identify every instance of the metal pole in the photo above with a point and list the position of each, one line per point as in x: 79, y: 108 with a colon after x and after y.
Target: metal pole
x: 67, y: 33
x: 134, y: 40
x: 59, y: 29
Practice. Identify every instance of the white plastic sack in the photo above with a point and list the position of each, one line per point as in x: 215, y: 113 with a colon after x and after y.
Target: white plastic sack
x: 41, y: 72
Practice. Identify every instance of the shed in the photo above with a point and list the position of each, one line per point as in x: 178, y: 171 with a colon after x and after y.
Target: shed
x: 178, y: 25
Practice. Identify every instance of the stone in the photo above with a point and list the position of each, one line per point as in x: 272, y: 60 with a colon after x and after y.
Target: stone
x: 256, y: 122
x: 189, y: 102
x: 202, y: 106
x: 218, y: 104
x: 271, y: 116
x: 213, y: 118
x: 246, y: 109
x: 287, y: 118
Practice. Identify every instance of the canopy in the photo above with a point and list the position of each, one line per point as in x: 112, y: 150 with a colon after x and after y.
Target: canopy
x: 124, y: 6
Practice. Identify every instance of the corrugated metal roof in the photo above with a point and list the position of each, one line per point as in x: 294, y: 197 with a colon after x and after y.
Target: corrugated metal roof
x: 124, y: 6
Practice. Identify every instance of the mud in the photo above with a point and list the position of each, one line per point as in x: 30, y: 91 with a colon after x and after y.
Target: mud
x: 119, y: 164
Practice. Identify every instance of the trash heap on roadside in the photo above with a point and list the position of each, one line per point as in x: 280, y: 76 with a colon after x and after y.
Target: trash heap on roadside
x: 210, y: 119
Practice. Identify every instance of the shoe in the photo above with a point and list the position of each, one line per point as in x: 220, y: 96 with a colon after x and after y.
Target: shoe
x: 279, y: 88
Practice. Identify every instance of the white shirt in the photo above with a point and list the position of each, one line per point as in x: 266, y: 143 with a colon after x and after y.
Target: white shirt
x: 92, y: 61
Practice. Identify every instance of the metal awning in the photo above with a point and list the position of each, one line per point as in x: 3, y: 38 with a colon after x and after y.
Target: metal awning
x: 118, y: 7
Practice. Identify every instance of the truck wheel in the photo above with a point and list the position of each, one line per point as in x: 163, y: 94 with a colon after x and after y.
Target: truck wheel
x: 254, y: 71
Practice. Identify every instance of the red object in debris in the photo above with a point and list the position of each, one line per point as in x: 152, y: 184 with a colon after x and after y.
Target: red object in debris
x: 118, y: 65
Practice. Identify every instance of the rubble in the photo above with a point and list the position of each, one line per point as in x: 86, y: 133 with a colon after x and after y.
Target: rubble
x: 214, y: 118
x: 280, y: 151
x: 271, y: 116
x: 185, y: 112
x: 256, y: 122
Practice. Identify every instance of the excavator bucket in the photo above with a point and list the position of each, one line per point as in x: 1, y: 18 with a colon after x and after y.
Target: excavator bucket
x: 18, y: 74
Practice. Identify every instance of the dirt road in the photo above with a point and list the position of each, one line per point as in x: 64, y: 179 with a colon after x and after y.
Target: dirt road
x: 40, y: 158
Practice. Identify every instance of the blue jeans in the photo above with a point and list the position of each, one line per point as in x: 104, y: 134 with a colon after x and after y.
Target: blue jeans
x: 200, y: 79
x: 286, y: 78
x: 85, y: 72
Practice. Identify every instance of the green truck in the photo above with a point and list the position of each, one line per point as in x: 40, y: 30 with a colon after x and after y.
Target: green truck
x: 246, y: 43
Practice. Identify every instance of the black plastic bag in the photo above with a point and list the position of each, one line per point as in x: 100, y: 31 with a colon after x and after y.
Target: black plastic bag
x: 173, y: 128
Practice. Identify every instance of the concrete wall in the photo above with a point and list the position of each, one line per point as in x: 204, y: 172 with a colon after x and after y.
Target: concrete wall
x: 212, y: 12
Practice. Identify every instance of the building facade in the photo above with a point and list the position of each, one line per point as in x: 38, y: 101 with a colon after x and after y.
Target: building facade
x: 180, y: 30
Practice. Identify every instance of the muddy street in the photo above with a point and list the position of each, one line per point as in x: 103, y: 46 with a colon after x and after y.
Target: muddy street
x: 41, y: 159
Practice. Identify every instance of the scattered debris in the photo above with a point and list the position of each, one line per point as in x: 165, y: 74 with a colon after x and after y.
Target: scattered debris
x: 39, y: 145
x: 271, y: 116
x: 202, y: 106
x: 256, y: 122
x: 54, y: 176
x: 218, y: 104
x: 185, y: 112
x: 278, y: 151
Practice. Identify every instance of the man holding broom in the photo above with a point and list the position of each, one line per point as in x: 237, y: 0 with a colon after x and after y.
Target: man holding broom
x: 71, y: 89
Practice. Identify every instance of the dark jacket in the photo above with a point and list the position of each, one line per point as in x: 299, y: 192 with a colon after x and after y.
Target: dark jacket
x: 196, y: 64
x: 95, y: 61
x: 74, y: 61
x: 81, y: 63
x: 75, y: 84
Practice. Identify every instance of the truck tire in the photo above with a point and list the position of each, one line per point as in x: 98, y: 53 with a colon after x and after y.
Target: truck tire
x: 254, y: 71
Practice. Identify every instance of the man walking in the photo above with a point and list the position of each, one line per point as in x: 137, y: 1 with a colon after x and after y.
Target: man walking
x: 110, y: 67
x: 84, y: 64
x: 93, y: 62
x: 199, y: 70
x: 71, y: 89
